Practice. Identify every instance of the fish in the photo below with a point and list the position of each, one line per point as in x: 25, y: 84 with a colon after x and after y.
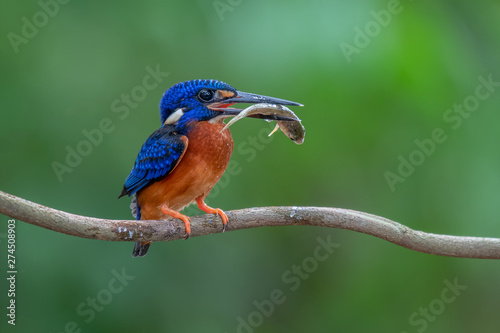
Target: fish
x: 292, y: 128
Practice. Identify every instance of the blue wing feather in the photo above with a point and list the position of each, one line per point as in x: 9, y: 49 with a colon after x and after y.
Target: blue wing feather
x: 158, y: 156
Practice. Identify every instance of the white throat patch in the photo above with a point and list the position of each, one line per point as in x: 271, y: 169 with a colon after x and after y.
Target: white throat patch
x: 218, y: 119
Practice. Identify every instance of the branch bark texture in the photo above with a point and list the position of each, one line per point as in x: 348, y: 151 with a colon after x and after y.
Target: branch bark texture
x: 171, y: 229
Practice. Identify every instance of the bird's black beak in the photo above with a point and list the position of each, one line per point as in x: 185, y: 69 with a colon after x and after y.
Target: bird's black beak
x: 244, y: 97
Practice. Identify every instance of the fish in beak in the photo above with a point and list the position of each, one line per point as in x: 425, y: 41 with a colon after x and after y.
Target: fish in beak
x: 244, y: 97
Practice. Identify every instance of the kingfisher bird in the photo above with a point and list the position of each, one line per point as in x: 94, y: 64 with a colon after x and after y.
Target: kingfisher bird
x: 182, y: 160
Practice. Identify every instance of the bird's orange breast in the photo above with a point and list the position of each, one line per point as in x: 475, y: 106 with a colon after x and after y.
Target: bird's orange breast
x: 203, y: 163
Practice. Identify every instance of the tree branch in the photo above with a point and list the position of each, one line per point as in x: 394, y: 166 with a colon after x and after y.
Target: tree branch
x: 167, y: 230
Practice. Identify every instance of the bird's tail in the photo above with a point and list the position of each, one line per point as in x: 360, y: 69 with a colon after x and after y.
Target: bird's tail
x: 140, y: 248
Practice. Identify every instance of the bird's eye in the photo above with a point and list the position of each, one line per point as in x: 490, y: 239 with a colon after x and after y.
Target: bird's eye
x: 206, y: 95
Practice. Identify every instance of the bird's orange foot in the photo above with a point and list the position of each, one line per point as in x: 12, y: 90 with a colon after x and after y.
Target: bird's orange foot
x: 209, y: 210
x: 175, y: 214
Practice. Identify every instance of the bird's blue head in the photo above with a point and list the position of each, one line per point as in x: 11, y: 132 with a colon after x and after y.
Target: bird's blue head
x: 202, y: 100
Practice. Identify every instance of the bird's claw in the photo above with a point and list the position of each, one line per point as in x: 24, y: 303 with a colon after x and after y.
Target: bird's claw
x: 209, y: 210
x: 187, y: 225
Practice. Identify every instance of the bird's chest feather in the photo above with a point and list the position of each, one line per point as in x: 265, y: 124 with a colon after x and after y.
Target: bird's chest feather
x: 208, y: 152
x: 207, y: 155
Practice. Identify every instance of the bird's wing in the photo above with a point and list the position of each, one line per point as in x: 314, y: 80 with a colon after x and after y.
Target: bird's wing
x: 158, y: 156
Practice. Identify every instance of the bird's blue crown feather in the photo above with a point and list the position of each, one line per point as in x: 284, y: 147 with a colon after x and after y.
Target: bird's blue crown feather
x: 182, y: 95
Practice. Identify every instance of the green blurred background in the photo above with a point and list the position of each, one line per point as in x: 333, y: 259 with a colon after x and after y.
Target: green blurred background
x: 360, y: 116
